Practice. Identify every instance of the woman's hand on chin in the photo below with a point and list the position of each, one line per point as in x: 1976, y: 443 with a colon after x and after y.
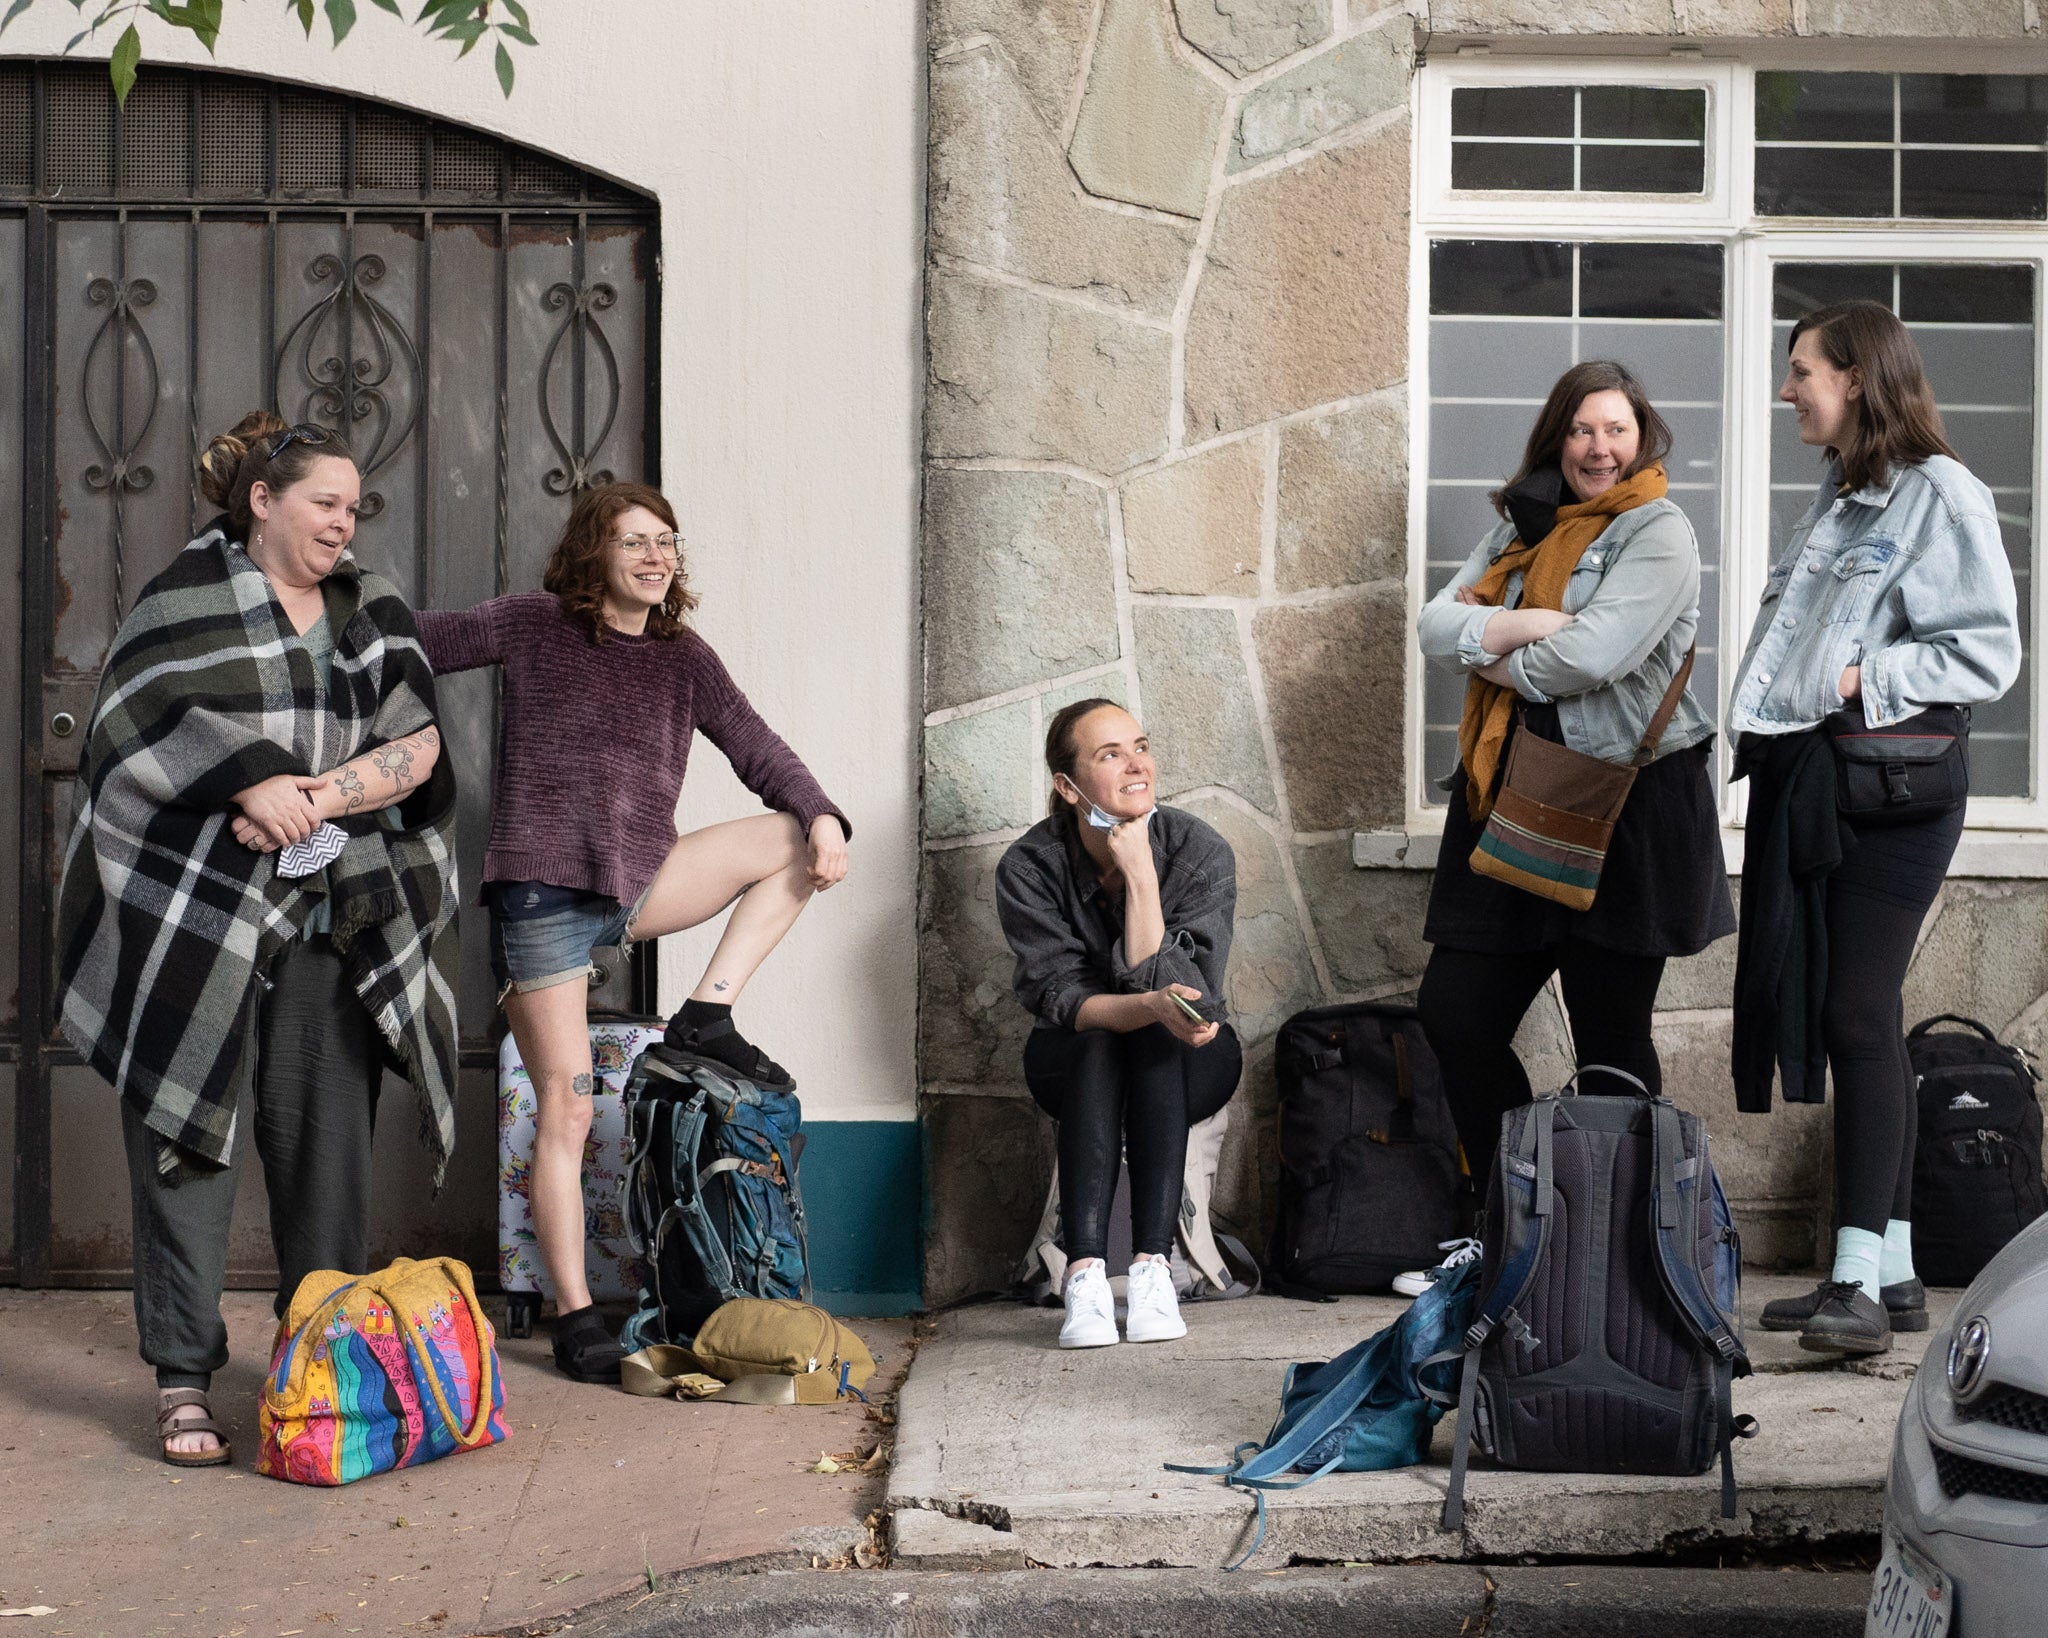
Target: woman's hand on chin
x: 1130, y: 844
x: 827, y: 866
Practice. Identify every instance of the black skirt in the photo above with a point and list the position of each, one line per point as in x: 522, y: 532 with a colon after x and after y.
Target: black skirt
x: 1663, y: 890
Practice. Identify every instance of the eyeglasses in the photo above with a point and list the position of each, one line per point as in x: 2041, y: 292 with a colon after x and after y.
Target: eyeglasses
x: 664, y: 546
x: 305, y: 432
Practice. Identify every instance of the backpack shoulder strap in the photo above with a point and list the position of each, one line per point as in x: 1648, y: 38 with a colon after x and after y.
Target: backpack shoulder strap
x: 1675, y: 1218
x: 1453, y: 1517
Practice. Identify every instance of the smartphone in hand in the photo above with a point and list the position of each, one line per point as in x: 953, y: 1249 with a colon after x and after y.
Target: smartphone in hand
x: 1194, y: 1014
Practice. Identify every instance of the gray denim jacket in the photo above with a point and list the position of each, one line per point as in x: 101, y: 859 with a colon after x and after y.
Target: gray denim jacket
x: 1636, y: 599
x: 1067, y: 933
x: 1908, y: 579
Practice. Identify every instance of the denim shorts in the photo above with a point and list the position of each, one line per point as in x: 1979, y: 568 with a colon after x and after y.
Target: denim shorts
x: 542, y: 935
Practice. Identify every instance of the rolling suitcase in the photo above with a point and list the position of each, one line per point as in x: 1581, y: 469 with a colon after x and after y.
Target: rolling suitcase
x: 614, y: 1272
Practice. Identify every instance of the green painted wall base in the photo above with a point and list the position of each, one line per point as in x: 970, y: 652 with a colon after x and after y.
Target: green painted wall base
x: 863, y: 1202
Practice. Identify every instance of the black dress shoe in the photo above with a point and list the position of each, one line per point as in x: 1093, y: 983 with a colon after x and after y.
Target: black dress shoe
x: 1905, y: 1304
x: 1846, y: 1322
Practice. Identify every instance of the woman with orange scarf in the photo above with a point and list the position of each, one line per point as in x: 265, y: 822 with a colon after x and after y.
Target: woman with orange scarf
x: 1569, y: 620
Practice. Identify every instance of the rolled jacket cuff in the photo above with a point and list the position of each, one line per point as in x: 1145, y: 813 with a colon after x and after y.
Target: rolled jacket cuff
x: 1880, y: 688
x: 1518, y: 669
x: 1472, y: 650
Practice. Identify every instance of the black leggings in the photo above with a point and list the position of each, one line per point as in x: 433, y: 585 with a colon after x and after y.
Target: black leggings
x: 1877, y: 899
x: 1472, y: 1003
x: 1135, y: 1094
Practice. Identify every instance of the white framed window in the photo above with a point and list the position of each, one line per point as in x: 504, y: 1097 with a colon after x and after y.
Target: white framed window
x: 1936, y: 193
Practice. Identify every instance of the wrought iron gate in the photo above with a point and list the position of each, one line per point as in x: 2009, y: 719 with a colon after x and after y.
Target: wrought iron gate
x: 479, y: 318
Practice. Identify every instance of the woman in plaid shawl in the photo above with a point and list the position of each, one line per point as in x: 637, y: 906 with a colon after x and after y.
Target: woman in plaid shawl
x: 259, y: 897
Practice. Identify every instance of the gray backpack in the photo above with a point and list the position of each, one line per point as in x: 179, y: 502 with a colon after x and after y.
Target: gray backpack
x: 1609, y: 1323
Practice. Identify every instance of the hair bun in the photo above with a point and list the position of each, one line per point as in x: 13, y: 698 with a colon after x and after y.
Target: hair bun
x: 224, y: 453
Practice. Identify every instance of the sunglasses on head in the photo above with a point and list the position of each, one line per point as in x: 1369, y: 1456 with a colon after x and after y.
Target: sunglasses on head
x: 305, y: 432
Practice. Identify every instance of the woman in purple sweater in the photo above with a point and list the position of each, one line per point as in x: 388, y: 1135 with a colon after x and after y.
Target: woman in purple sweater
x: 604, y: 688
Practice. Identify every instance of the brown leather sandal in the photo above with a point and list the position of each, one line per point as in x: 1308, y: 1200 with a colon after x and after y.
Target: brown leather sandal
x: 168, y: 1428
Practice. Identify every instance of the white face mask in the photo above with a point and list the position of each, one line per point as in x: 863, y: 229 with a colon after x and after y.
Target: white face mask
x: 1107, y: 821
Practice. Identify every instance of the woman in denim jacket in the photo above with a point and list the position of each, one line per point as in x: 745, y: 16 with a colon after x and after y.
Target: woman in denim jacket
x: 1589, y: 670
x: 1892, y: 595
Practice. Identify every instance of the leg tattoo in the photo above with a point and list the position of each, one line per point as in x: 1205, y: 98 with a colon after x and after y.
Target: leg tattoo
x: 580, y: 1086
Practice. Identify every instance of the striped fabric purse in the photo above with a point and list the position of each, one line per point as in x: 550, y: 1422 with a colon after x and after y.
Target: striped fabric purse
x: 1554, y: 814
x: 379, y: 1371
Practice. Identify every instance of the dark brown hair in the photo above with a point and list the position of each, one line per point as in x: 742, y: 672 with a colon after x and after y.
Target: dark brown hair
x: 576, y: 571
x: 238, y: 459
x: 1895, y: 422
x: 1554, y: 421
x: 1061, y: 753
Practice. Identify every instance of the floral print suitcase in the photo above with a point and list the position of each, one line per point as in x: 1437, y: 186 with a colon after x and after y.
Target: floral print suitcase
x: 615, y: 1274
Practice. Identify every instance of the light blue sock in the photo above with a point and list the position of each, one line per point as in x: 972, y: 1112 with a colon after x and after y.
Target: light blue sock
x: 1857, y: 1254
x: 1895, y: 1267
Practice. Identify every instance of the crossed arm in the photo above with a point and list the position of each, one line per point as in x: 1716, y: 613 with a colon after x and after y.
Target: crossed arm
x: 288, y: 808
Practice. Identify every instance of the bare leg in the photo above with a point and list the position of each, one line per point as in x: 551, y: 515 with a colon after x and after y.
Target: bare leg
x: 761, y: 861
x: 553, y: 1033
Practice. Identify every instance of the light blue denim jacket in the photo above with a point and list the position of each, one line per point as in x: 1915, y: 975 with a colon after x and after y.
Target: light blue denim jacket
x: 1907, y: 578
x: 1636, y: 600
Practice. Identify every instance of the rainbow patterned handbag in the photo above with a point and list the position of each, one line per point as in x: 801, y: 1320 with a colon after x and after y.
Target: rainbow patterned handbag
x: 378, y: 1371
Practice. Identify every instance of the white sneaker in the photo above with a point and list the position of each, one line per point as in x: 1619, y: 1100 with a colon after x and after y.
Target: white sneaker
x: 1152, y: 1307
x: 1091, y: 1310
x: 1457, y: 1254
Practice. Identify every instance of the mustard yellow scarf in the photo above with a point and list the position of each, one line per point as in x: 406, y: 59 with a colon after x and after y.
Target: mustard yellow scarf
x: 1546, y: 570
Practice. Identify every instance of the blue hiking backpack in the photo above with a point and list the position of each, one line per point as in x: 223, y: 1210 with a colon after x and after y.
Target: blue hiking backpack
x: 710, y: 1194
x: 1369, y: 1408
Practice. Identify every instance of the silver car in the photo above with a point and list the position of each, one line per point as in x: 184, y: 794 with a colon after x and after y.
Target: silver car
x: 1966, y: 1511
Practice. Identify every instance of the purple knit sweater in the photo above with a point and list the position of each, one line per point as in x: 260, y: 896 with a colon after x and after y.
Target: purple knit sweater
x: 595, y: 738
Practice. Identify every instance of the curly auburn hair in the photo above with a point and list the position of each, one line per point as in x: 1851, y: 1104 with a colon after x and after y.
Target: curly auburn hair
x: 576, y: 570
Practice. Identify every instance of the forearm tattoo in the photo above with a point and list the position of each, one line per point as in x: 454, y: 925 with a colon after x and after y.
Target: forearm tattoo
x: 394, y: 761
x: 580, y: 1085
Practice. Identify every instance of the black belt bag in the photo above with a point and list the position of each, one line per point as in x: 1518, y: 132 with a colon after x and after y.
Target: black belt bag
x: 1915, y: 769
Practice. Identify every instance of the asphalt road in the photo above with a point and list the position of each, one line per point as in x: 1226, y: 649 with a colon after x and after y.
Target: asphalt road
x: 1421, y: 1601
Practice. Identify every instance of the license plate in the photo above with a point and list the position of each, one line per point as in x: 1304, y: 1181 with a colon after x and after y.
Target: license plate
x: 1909, y: 1598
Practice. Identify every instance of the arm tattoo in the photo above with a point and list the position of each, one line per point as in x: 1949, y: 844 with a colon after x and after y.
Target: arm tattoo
x: 580, y: 1085
x: 350, y: 784
x: 394, y: 761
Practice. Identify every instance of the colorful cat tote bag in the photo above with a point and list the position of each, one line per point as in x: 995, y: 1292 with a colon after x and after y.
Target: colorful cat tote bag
x: 379, y: 1371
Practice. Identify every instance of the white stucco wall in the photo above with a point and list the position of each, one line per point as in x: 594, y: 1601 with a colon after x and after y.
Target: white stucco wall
x: 784, y: 144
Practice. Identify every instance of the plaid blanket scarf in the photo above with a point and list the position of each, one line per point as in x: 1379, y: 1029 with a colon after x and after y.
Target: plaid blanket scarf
x: 166, y: 923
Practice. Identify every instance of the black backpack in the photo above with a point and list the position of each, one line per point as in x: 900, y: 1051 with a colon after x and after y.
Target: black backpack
x: 1977, y: 1162
x: 1609, y: 1323
x: 1369, y: 1166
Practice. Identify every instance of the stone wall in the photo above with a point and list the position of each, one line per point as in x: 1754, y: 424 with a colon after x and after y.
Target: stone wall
x: 1166, y: 437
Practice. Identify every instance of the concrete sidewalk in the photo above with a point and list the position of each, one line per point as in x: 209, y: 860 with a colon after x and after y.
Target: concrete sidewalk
x: 592, y: 1492
x: 1011, y: 1451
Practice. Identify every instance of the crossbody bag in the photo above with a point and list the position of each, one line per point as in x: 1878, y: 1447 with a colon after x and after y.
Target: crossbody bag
x: 1917, y: 768
x: 1554, y: 816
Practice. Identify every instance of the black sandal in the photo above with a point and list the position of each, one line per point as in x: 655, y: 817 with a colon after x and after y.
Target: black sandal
x: 168, y: 1427
x: 695, y: 1042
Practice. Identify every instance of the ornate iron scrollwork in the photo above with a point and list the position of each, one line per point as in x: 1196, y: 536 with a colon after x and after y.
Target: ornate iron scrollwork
x: 580, y: 327
x: 357, y: 388
x: 117, y: 472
